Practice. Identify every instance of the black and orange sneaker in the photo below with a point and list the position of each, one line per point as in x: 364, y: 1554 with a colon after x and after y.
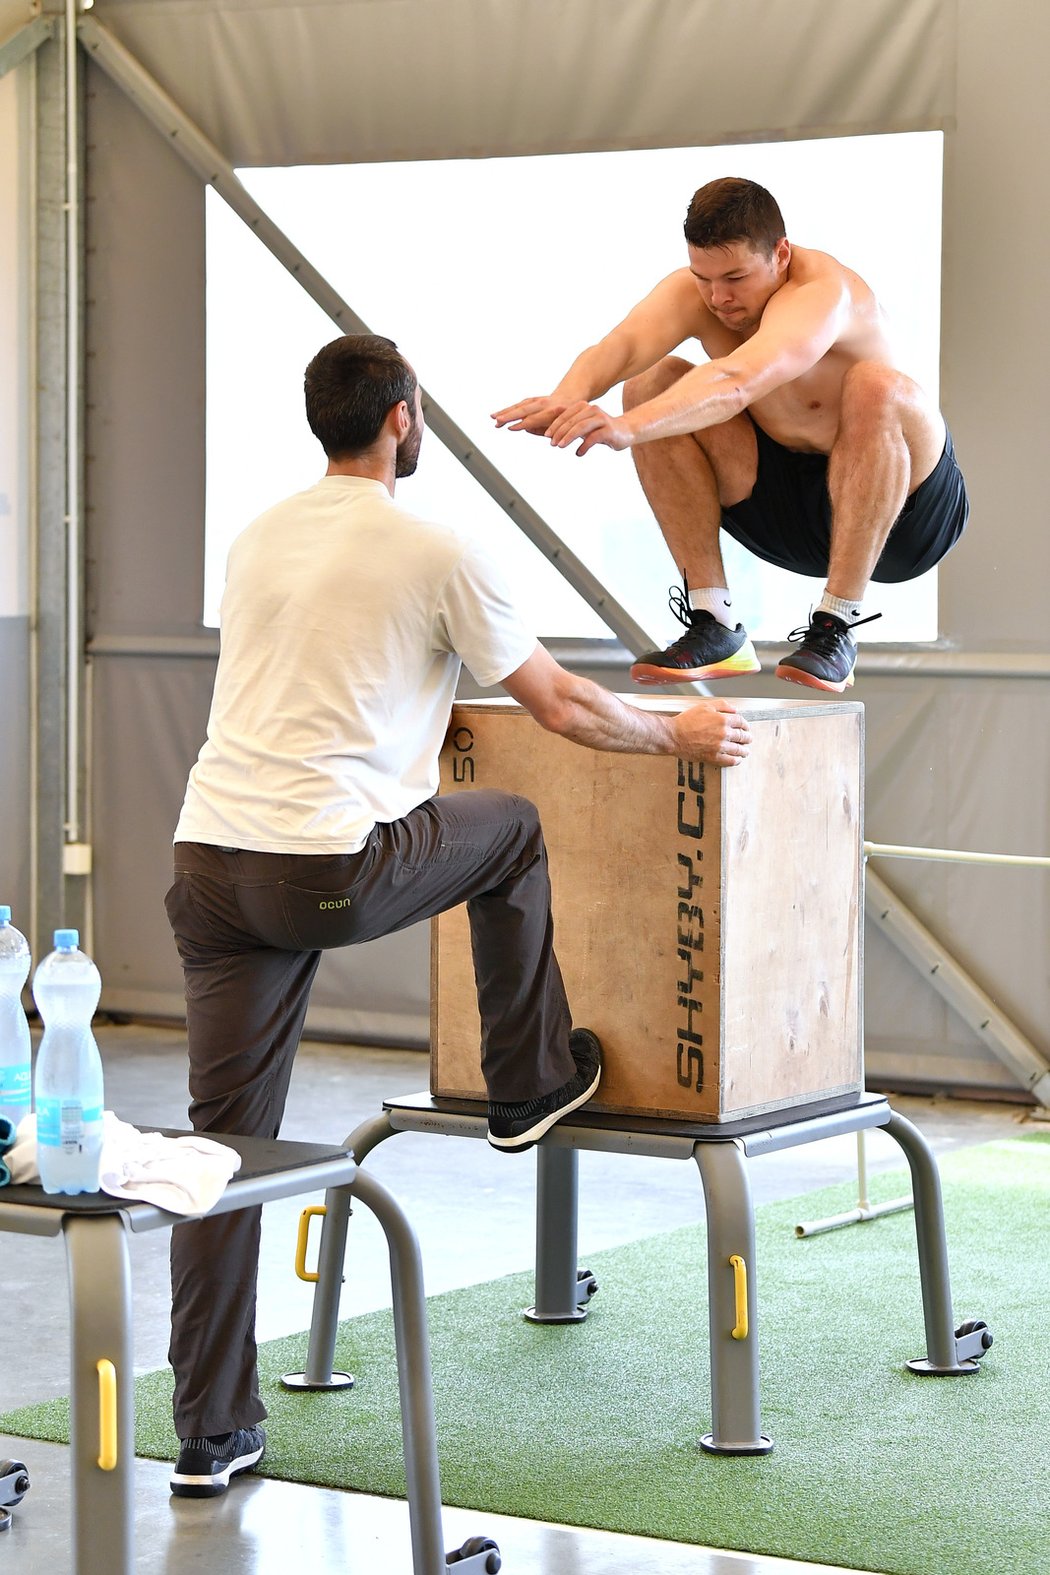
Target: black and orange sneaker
x: 826, y: 655
x: 707, y: 649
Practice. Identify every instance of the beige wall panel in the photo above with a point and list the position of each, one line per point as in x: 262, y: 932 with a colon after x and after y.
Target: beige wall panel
x: 995, y: 373
x: 707, y: 922
x: 144, y: 417
x: 329, y: 81
x: 14, y: 14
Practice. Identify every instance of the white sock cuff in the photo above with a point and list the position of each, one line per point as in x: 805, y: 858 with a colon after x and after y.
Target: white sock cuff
x: 848, y: 611
x: 716, y: 600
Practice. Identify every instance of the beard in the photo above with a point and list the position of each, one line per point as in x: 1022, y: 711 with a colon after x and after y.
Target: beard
x: 407, y: 456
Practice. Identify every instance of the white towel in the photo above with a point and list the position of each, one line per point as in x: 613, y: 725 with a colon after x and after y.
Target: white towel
x: 185, y: 1175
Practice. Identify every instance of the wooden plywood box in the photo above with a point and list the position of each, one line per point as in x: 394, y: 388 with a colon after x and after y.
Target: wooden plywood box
x: 708, y: 922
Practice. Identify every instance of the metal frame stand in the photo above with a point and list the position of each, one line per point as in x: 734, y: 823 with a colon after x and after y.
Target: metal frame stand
x: 720, y: 1154
x: 96, y: 1232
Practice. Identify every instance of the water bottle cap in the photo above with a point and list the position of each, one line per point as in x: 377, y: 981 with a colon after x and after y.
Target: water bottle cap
x: 5, y: 914
x: 67, y: 940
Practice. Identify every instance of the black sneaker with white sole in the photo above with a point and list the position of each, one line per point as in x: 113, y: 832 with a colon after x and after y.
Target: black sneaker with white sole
x: 707, y: 649
x: 205, y: 1465
x: 516, y: 1127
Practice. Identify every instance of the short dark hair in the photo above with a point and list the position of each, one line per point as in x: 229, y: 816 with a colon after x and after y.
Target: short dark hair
x: 729, y: 210
x: 351, y: 385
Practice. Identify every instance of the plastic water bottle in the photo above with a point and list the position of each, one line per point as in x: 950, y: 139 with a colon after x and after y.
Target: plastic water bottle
x: 68, y: 1089
x: 15, y: 1048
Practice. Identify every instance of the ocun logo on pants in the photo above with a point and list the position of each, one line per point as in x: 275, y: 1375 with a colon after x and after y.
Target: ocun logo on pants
x: 340, y: 902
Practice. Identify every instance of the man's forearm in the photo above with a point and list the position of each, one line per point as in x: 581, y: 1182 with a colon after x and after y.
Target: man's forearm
x: 704, y: 398
x: 709, y: 729
x: 597, y: 719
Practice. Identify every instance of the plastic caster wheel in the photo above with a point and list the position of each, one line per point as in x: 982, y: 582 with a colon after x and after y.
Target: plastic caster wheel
x: 586, y: 1285
x: 472, y: 1547
x: 973, y: 1326
x: 14, y: 1482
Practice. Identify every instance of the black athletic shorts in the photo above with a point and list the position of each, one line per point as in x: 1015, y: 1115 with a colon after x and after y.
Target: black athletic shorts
x: 787, y: 518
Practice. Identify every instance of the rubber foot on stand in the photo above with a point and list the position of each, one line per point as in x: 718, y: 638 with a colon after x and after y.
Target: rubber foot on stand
x: 586, y: 1287
x: 300, y: 1381
x: 927, y: 1369
x: 761, y: 1447
x: 532, y: 1316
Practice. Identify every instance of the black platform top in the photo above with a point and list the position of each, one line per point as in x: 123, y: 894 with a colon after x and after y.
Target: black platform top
x: 672, y: 1126
x: 259, y: 1157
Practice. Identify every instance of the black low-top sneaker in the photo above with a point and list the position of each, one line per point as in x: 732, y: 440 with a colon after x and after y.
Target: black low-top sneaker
x: 826, y: 655
x: 518, y: 1126
x: 205, y: 1465
x: 707, y: 649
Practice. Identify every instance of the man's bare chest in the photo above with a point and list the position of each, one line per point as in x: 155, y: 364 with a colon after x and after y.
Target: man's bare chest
x: 804, y: 414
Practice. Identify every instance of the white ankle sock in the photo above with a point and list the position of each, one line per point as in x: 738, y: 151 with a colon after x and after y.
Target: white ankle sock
x: 848, y: 611
x: 716, y: 601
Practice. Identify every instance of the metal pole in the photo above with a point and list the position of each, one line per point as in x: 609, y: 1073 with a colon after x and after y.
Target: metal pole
x: 865, y: 1210
x: 74, y: 613
x: 56, y: 654
x: 557, y: 1209
x: 413, y: 1376
x: 890, y: 850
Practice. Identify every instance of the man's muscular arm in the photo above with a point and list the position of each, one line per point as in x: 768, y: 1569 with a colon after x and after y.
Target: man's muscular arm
x: 712, y: 730
x: 657, y: 325
x: 799, y: 326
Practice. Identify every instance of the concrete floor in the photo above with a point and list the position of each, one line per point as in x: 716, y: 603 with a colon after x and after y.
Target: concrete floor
x: 254, y: 1527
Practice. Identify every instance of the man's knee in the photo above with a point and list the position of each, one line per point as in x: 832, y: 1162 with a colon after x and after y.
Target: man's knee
x: 505, y: 814
x: 501, y: 804
x: 654, y: 380
x: 528, y: 818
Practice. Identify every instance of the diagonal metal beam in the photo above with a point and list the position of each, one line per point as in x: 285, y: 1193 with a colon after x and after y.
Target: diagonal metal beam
x: 20, y: 45
x: 954, y: 985
x: 215, y: 170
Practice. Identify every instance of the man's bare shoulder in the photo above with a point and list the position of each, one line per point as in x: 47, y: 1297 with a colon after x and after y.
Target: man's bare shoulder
x: 678, y: 296
x: 676, y: 304
x: 808, y: 266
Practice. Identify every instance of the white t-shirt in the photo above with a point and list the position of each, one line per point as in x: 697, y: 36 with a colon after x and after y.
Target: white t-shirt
x: 344, y: 622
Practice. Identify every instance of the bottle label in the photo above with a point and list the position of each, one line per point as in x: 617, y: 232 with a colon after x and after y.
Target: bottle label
x: 61, y: 1123
x: 15, y: 1087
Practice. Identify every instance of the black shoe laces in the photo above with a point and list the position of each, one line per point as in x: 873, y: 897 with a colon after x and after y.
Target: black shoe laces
x: 824, y: 632
x: 678, y: 601
x: 692, y: 617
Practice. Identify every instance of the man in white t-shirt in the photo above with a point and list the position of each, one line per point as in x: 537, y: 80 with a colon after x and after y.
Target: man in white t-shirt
x: 310, y: 821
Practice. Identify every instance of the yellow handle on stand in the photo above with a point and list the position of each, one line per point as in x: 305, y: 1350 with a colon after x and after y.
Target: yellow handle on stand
x: 739, y: 1268
x: 304, y: 1236
x: 107, y: 1415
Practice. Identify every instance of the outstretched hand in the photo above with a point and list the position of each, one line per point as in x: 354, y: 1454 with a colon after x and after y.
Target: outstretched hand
x: 714, y: 731
x: 564, y: 424
x: 530, y: 415
x: 591, y: 423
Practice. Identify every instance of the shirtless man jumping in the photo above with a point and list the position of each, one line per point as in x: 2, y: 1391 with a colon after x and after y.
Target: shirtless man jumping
x: 800, y: 435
